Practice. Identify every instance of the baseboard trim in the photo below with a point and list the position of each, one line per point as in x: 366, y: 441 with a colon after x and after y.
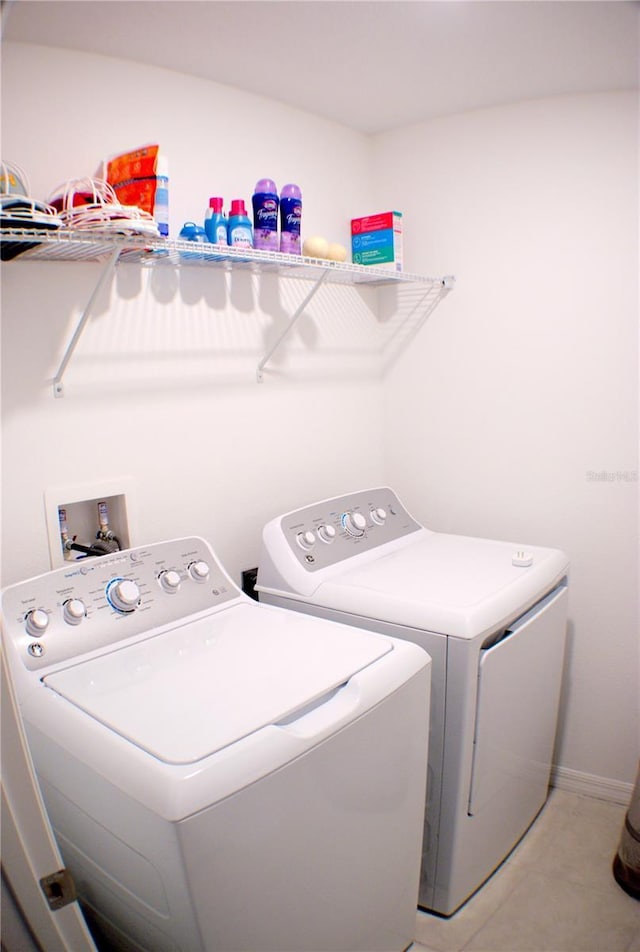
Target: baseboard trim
x: 590, y: 785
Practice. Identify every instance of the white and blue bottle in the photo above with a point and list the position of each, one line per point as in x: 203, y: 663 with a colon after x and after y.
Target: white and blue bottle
x: 239, y: 230
x: 215, y: 223
x: 161, y: 204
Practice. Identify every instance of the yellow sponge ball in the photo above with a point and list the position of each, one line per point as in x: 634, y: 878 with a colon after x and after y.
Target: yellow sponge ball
x: 315, y: 247
x: 337, y: 252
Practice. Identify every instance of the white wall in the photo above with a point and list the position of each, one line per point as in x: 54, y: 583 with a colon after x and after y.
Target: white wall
x: 525, y: 382
x: 162, y: 388
x: 522, y: 382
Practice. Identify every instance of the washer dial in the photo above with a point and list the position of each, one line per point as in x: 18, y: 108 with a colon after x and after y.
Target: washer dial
x: 37, y: 622
x: 73, y: 611
x: 169, y: 580
x: 199, y: 571
x: 123, y: 594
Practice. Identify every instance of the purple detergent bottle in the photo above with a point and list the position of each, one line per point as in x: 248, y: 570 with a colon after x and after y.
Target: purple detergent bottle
x: 265, y: 215
x: 290, y: 216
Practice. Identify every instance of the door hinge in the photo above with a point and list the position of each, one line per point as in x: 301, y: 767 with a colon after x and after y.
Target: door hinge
x: 59, y: 889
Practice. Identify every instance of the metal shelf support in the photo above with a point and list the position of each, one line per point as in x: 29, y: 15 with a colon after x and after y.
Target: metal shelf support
x: 107, y: 272
x: 79, y: 245
x: 292, y: 320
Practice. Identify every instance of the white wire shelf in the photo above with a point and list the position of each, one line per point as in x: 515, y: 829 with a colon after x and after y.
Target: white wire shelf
x: 77, y: 245
x: 111, y: 249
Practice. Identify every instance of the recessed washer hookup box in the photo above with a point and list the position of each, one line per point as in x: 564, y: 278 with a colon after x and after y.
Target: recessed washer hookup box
x: 377, y: 240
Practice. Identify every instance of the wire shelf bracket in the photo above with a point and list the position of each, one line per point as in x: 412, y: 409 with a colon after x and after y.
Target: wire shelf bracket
x: 299, y: 311
x: 109, y: 249
x: 107, y: 272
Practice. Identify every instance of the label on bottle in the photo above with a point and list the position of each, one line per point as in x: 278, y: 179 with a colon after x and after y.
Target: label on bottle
x: 265, y: 221
x: 290, y: 220
x: 266, y: 215
x: 240, y: 236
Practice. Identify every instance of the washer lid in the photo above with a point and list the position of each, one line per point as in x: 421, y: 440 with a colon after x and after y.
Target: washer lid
x: 186, y: 693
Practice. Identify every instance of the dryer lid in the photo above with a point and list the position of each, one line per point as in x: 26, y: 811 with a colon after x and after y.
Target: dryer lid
x: 456, y: 585
x: 186, y: 693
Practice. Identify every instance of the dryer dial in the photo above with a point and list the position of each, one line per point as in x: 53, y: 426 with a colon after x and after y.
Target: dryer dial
x: 378, y: 515
x: 123, y: 594
x: 327, y: 533
x: 306, y: 540
x: 354, y: 522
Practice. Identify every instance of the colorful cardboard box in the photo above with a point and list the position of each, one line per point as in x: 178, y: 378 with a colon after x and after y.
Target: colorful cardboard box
x: 376, y: 240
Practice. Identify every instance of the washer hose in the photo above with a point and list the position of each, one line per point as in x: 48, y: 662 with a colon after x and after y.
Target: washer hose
x: 99, y: 548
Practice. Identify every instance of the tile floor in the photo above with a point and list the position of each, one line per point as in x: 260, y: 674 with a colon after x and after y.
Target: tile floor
x: 554, y: 893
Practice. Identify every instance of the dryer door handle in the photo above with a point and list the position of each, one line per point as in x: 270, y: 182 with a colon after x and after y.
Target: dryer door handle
x: 519, y: 683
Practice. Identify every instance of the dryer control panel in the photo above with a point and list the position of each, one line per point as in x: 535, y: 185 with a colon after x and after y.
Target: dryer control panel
x: 328, y: 532
x: 96, y: 602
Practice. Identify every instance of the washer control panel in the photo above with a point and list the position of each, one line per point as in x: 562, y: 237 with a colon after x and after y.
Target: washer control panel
x: 95, y: 602
x: 329, y: 532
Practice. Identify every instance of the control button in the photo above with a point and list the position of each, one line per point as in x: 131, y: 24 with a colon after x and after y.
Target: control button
x: 199, y: 571
x: 354, y: 522
x: 306, y: 540
x: 327, y: 533
x: 73, y: 611
x: 169, y: 580
x: 123, y: 594
x: 37, y: 622
x: 35, y: 649
x: 378, y: 516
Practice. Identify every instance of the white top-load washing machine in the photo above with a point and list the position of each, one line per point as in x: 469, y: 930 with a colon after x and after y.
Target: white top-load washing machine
x: 491, y: 615
x: 220, y: 775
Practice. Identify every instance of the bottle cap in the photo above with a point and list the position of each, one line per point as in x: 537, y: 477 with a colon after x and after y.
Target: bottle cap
x: 266, y: 185
x: 290, y: 191
x: 237, y: 207
x: 216, y: 204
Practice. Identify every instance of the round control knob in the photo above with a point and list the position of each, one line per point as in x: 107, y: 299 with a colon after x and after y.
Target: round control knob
x: 327, y: 533
x: 354, y: 522
x: 378, y: 516
x: 73, y: 611
x: 124, y: 594
x: 37, y: 622
x: 306, y: 539
x: 169, y: 580
x: 199, y: 571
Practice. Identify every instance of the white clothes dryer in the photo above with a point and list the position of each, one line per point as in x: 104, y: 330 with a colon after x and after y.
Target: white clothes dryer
x: 220, y: 775
x: 491, y: 615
